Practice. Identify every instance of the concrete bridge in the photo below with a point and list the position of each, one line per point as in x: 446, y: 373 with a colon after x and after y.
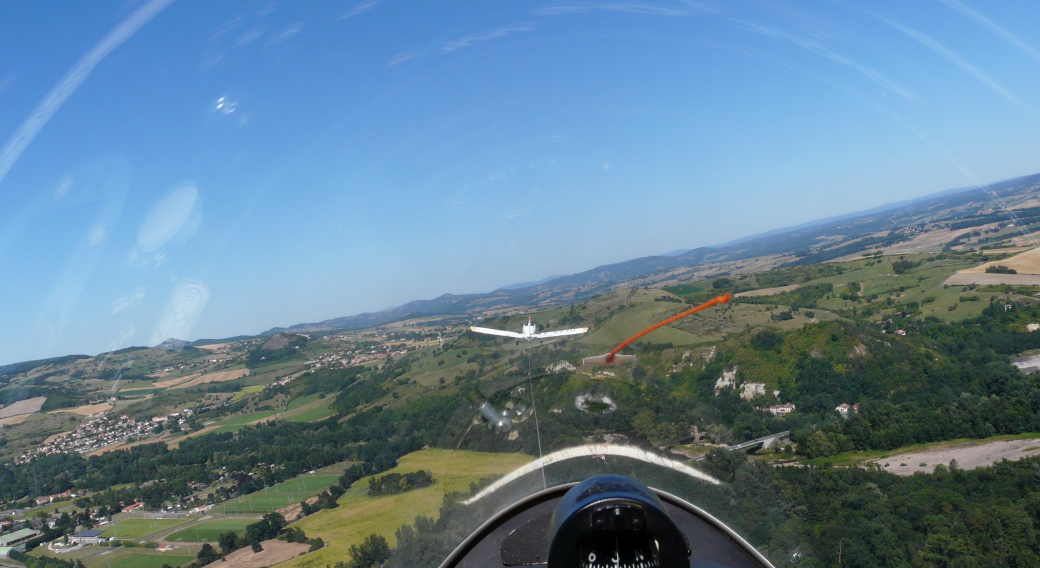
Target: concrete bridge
x: 765, y: 441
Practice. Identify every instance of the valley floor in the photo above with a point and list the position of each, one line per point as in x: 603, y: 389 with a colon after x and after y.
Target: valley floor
x: 968, y: 455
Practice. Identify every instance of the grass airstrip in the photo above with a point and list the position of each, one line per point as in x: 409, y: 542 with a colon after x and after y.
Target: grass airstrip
x: 123, y: 558
x: 282, y: 495
x: 359, y: 515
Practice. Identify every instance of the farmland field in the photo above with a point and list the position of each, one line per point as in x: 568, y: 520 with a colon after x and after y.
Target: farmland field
x: 218, y: 377
x: 27, y: 406
x: 86, y: 410
x: 210, y: 531
x: 12, y: 420
x: 1027, y: 262
x: 359, y: 515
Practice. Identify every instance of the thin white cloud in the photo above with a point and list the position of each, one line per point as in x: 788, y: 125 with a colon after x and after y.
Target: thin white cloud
x: 250, y: 36
x: 285, y: 34
x: 957, y: 60
x: 227, y: 27
x: 626, y: 7
x: 72, y: 80
x: 266, y: 10
x: 993, y: 27
x: 359, y: 9
x: 485, y: 36
x: 402, y: 57
x: 6, y: 82
x: 818, y: 49
x: 895, y: 117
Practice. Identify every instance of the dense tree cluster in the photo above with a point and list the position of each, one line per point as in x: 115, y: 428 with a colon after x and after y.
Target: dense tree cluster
x: 903, y: 265
x: 371, y: 553
x: 394, y: 483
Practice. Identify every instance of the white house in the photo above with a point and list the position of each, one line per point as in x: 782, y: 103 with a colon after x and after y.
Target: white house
x: 844, y: 409
x: 781, y: 409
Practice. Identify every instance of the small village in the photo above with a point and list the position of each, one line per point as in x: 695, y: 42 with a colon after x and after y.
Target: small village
x: 100, y: 433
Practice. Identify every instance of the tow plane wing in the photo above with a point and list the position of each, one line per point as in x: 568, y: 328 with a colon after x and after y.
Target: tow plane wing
x: 503, y: 333
x: 561, y: 332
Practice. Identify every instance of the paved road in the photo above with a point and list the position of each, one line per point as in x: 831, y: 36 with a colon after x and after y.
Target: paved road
x: 750, y: 443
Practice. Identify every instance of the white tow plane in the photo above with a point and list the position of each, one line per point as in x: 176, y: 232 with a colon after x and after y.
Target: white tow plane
x: 529, y: 332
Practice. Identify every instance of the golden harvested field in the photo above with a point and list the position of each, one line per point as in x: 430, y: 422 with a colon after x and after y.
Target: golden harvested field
x: 932, y: 241
x: 85, y: 410
x: 27, y: 406
x: 359, y: 515
x: 963, y: 279
x: 53, y: 437
x: 219, y: 377
x: 1029, y: 240
x: 1027, y: 262
x: 214, y: 347
x: 12, y: 420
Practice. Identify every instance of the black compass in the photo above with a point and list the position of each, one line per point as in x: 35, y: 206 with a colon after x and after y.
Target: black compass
x: 627, y: 551
x: 614, y: 522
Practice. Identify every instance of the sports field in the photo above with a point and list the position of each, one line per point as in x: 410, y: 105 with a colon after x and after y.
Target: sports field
x: 279, y: 496
x: 137, y: 528
x: 359, y: 515
x: 211, y: 531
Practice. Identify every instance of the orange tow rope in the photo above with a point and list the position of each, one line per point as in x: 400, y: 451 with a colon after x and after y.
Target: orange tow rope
x: 717, y: 300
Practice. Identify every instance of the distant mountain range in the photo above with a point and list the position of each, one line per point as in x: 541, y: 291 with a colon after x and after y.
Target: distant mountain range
x: 846, y: 234
x: 522, y: 285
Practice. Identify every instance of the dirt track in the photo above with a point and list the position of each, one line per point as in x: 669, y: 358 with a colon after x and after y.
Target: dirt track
x: 766, y: 291
x: 968, y: 456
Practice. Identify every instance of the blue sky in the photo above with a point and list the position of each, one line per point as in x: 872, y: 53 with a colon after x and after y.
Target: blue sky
x: 213, y: 169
